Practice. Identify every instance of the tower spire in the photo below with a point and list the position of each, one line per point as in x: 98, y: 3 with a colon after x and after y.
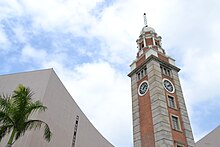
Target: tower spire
x: 145, y: 20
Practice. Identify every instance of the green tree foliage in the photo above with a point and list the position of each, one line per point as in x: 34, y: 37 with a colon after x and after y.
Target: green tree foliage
x: 15, y: 111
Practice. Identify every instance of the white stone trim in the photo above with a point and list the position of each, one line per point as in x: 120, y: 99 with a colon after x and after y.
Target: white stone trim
x: 140, y: 52
x: 145, y: 42
x: 145, y: 81
x: 171, y: 61
x: 180, y: 128
x: 153, y: 40
x: 151, y: 52
x: 174, y: 98
x: 133, y: 66
x: 159, y: 107
x: 179, y: 145
x: 171, y: 84
x: 160, y: 50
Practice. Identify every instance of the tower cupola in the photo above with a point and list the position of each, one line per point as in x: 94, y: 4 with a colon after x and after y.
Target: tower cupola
x: 148, y: 39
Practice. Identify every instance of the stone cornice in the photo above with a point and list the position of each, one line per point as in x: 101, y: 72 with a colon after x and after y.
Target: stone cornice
x: 152, y: 57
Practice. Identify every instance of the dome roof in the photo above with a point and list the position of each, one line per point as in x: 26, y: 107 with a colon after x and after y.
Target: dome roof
x: 147, y: 29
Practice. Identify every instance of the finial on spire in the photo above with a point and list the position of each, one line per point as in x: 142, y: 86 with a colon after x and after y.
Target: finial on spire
x: 145, y: 20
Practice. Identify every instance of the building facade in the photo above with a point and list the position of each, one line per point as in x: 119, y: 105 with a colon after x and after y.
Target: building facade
x: 69, y: 125
x: 210, y: 140
x: 160, y: 117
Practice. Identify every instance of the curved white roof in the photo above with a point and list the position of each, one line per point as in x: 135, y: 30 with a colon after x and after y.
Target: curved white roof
x: 147, y: 29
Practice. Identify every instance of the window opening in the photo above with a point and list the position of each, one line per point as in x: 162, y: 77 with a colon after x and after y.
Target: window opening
x: 175, y: 123
x: 179, y: 145
x: 139, y: 76
x: 171, y: 101
x: 142, y: 74
x: 145, y: 71
x: 168, y: 71
x: 165, y: 71
x: 75, y: 131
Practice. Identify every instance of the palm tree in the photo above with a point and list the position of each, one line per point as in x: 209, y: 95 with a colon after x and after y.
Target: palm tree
x: 15, y: 111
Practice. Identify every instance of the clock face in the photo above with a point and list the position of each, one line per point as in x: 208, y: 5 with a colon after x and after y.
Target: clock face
x: 143, y: 87
x: 168, y: 85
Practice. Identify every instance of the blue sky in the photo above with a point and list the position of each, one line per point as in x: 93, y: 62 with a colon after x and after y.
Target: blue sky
x: 91, y: 43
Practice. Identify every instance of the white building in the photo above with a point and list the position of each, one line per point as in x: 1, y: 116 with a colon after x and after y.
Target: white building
x: 69, y: 125
x: 210, y: 140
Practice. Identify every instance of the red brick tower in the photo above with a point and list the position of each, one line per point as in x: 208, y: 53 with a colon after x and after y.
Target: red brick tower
x: 160, y: 117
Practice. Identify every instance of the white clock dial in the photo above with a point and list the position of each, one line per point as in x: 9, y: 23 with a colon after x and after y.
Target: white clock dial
x: 168, y: 85
x: 143, y: 87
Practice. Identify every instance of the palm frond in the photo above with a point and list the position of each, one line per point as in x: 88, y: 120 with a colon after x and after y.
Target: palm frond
x: 21, y: 99
x: 5, y: 129
x: 22, y: 96
x: 5, y: 118
x: 15, y: 111
x: 36, y: 124
x: 47, y: 132
x: 18, y: 135
x: 5, y: 109
x: 4, y: 102
x: 36, y: 106
x: 21, y: 91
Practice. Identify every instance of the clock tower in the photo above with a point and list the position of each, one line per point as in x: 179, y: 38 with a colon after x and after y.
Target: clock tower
x: 160, y: 118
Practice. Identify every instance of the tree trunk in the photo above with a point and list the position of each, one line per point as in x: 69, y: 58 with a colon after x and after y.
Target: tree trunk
x: 10, y: 141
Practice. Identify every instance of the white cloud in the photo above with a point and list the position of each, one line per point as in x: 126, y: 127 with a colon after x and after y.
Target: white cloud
x: 190, y: 32
x: 4, y: 41
x: 119, y: 26
x: 9, y: 8
x: 19, y: 31
x: 101, y: 92
x: 201, y: 71
x: 64, y: 15
x: 29, y: 53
